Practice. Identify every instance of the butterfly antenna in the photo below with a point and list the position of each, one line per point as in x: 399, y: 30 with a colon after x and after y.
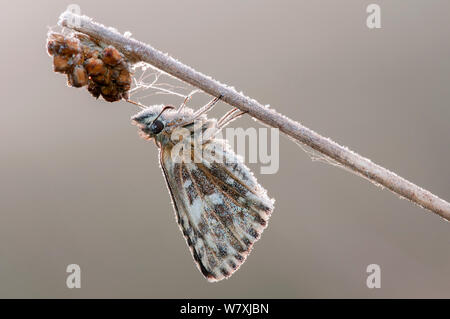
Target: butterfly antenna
x: 167, y: 107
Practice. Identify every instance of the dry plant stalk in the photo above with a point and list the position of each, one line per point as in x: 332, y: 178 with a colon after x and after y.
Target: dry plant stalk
x: 135, y: 51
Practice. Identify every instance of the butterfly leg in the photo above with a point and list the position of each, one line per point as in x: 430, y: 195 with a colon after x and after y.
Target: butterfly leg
x: 207, y: 107
x: 230, y: 116
x: 186, y: 100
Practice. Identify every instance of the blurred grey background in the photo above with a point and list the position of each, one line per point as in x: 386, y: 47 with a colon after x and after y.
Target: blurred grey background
x: 77, y: 184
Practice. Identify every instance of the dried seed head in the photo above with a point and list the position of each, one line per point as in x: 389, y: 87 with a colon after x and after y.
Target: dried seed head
x: 86, y: 62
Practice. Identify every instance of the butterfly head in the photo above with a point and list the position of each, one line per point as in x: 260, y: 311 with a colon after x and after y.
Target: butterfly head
x: 158, y: 119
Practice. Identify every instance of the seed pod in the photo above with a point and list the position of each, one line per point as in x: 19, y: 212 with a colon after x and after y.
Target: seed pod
x: 61, y: 64
x: 112, y: 98
x: 125, y: 95
x: 78, y: 59
x: 124, y: 79
x: 102, y: 79
x: 55, y: 41
x: 94, y: 89
x: 107, y: 90
x: 52, y: 47
x: 71, y: 46
x: 88, y: 52
x: 78, y: 77
x: 110, y: 93
x: 111, y: 56
x: 95, y: 66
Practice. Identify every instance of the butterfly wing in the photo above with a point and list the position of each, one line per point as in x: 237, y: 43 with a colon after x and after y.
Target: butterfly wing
x: 220, y: 208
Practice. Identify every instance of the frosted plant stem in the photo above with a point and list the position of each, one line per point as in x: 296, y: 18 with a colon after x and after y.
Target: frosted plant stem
x: 137, y: 51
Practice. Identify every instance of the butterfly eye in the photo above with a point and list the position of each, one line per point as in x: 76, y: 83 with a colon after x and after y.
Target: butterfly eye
x: 156, y: 127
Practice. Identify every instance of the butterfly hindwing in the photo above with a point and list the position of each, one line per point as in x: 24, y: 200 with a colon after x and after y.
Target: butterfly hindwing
x: 220, y: 207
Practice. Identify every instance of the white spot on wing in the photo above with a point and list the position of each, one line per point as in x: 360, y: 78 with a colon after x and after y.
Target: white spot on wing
x: 216, y: 198
x: 187, y: 183
x: 196, y: 210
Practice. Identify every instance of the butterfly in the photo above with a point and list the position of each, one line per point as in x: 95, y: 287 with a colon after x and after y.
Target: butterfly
x: 219, y: 205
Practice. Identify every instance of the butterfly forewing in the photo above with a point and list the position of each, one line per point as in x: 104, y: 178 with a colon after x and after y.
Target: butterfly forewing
x: 220, y: 207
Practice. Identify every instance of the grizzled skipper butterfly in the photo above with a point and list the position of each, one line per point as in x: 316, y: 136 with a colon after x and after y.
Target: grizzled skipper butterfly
x: 220, y: 207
